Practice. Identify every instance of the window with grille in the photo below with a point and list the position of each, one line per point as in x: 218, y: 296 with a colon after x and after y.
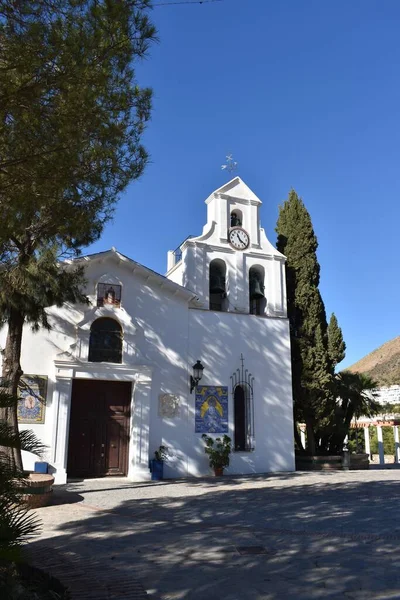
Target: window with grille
x: 105, y: 343
x: 243, y: 409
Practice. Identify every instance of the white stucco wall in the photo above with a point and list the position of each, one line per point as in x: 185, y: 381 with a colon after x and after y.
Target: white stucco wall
x: 218, y: 340
x: 166, y: 329
x: 198, y: 252
x: 163, y: 336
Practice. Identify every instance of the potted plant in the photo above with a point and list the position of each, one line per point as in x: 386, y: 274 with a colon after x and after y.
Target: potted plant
x: 157, y: 463
x: 218, y: 451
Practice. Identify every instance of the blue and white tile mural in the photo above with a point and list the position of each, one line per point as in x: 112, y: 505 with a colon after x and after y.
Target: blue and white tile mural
x: 211, y: 409
x: 32, y: 392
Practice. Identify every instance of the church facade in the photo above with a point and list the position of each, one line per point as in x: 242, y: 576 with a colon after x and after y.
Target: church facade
x: 159, y: 360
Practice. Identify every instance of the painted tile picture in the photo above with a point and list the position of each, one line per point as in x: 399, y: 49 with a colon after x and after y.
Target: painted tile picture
x: 211, y: 409
x: 32, y: 399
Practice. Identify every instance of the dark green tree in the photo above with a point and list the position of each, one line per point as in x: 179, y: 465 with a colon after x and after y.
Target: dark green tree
x: 312, y: 368
x: 354, y: 396
x: 72, y: 116
x: 336, y: 343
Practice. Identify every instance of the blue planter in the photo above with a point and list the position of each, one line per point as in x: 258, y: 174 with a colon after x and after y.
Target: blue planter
x: 41, y: 467
x: 157, y: 469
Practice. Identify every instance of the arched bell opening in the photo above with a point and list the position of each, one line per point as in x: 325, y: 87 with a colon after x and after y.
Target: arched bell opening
x: 257, y: 300
x: 236, y: 218
x: 217, y: 285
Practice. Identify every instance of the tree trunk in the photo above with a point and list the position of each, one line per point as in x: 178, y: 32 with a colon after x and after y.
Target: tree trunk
x: 11, y: 376
x: 297, y: 437
x: 310, y: 435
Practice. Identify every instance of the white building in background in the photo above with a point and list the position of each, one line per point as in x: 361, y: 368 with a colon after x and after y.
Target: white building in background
x: 111, y: 381
x: 388, y: 395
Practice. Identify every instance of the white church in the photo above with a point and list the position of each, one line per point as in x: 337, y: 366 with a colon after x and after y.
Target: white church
x: 158, y: 360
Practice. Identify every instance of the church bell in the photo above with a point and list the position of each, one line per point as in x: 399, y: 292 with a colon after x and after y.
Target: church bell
x: 217, y: 284
x: 256, y: 289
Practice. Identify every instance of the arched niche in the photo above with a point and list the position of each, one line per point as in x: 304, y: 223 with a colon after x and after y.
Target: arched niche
x: 236, y: 218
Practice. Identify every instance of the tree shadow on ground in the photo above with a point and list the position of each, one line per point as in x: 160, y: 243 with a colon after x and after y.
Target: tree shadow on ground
x: 75, y: 485
x: 317, y: 540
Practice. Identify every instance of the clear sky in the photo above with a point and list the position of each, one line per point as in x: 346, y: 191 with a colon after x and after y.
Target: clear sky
x: 305, y: 94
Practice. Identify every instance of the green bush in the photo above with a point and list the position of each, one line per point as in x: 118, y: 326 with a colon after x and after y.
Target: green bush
x: 357, y: 442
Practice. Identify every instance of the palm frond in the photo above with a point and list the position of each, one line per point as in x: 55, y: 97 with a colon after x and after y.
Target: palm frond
x: 359, y: 391
x: 24, y: 440
x: 29, y: 442
x: 16, y: 526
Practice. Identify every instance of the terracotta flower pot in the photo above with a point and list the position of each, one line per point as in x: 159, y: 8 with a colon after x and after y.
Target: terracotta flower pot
x: 219, y: 471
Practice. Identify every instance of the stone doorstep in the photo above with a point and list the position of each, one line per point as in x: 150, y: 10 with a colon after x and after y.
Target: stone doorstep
x: 85, y: 578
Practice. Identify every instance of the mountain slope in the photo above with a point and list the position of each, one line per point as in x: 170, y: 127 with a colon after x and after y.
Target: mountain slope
x: 383, y: 364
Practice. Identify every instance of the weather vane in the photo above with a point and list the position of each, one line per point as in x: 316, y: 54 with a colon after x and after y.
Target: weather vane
x: 231, y: 165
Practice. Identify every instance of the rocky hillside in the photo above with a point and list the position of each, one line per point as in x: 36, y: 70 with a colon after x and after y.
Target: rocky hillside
x: 383, y: 364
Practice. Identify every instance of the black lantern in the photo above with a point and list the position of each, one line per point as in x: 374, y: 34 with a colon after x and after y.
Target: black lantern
x: 197, y: 375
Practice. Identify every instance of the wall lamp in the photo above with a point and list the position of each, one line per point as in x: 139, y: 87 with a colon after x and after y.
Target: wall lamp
x: 197, y: 375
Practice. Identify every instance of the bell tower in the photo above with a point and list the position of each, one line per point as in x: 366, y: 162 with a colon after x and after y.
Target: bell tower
x: 232, y: 266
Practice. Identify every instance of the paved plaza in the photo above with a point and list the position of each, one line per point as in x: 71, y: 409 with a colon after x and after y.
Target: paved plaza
x: 290, y: 536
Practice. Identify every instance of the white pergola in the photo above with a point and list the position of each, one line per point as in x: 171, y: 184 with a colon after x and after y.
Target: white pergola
x: 379, y: 421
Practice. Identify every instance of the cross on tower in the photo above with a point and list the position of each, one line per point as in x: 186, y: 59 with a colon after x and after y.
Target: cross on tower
x: 231, y: 165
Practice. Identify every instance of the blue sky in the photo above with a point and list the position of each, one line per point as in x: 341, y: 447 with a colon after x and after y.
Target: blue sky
x: 306, y: 94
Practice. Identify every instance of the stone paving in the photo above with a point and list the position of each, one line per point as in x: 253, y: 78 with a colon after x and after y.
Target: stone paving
x: 300, y: 536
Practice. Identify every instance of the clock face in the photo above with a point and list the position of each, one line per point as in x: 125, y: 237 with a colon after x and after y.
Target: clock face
x: 238, y: 238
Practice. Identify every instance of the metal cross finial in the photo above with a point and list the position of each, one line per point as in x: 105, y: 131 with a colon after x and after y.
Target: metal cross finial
x: 231, y: 165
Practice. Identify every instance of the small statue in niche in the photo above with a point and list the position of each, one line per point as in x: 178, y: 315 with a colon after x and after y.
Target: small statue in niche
x: 109, y: 297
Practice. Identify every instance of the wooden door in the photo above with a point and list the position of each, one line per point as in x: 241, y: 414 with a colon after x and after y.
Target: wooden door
x: 99, y: 428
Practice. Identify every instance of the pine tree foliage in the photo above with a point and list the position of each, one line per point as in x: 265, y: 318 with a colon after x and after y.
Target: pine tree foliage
x: 72, y: 115
x: 32, y: 286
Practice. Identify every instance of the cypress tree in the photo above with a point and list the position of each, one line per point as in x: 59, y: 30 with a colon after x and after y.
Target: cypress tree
x: 312, y: 368
x: 336, y: 344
